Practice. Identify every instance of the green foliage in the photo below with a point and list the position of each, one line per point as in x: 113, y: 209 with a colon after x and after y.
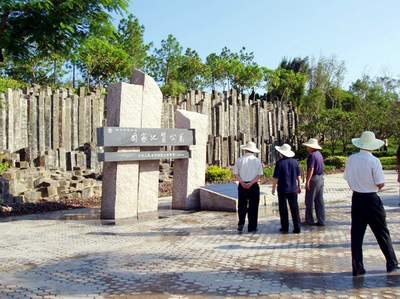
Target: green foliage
x: 218, y: 174
x: 330, y: 169
x: 49, y: 30
x: 387, y: 161
x: 103, y: 61
x: 269, y: 171
x: 285, y: 85
x: 338, y: 162
x: 4, y: 166
x: 6, y: 83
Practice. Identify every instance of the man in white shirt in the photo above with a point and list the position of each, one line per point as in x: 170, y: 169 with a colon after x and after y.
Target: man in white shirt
x: 365, y: 177
x: 248, y: 170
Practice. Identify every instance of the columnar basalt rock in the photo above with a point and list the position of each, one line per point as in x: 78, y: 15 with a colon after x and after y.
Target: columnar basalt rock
x: 39, y: 119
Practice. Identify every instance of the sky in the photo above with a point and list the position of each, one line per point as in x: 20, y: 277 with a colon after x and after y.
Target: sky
x: 365, y: 34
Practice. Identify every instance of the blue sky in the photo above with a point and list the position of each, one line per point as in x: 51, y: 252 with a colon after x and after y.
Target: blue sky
x: 363, y: 33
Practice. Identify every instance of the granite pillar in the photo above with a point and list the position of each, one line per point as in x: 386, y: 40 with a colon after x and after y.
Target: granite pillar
x: 189, y: 174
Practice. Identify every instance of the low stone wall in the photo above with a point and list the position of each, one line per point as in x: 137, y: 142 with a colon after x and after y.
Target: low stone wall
x: 30, y: 185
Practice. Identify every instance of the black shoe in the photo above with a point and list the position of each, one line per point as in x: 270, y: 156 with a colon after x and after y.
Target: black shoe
x: 395, y: 269
x: 319, y: 224
x: 358, y: 272
x: 240, y: 228
x: 283, y: 231
x: 296, y: 231
x: 252, y: 231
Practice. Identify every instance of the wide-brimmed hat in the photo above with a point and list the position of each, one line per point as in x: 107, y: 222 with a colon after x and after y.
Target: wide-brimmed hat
x: 368, y: 141
x: 251, y: 147
x: 286, y: 150
x: 313, y: 143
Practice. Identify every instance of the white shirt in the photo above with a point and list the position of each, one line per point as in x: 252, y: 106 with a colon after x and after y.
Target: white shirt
x: 363, y: 172
x: 248, y: 167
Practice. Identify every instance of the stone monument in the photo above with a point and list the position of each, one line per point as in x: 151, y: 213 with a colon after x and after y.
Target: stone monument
x: 132, y: 141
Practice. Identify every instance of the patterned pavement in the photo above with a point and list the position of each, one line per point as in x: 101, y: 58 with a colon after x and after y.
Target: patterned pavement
x: 195, y: 255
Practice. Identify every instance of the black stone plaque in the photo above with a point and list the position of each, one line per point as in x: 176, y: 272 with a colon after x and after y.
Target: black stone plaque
x: 142, y: 156
x: 116, y: 136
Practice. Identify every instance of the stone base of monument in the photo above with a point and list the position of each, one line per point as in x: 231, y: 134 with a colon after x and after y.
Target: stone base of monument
x: 222, y: 197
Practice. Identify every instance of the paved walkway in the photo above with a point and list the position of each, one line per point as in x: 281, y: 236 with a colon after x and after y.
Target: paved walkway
x: 195, y: 255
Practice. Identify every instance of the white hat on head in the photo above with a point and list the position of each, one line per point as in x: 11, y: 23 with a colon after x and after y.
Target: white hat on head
x: 368, y: 141
x: 285, y: 150
x: 313, y: 143
x: 251, y: 147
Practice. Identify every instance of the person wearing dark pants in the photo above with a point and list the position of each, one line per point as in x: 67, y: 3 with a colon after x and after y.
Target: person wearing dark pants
x: 365, y: 177
x: 248, y: 170
x: 249, y: 200
x: 287, y: 178
x: 314, y: 184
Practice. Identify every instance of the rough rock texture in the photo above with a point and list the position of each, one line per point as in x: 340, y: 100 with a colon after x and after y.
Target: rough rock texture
x: 189, y: 174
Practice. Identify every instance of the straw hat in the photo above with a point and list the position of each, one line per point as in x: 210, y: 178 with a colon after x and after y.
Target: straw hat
x: 313, y: 143
x: 285, y: 150
x: 368, y: 141
x: 251, y: 147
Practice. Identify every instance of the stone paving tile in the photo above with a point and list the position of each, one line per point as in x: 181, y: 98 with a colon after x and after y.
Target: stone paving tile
x: 196, y: 255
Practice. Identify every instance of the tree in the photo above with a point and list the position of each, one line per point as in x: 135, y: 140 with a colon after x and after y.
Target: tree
x: 49, y: 29
x: 130, y: 37
x: 163, y: 63
x: 102, y: 62
x: 285, y: 85
x: 191, y: 71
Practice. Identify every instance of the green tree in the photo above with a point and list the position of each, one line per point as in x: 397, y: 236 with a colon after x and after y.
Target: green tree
x: 49, y: 29
x: 102, y: 61
x: 285, y: 85
x: 192, y: 72
x: 162, y: 65
x: 130, y: 37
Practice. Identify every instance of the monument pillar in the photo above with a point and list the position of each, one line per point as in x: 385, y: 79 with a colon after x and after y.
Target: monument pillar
x: 189, y: 174
x: 131, y: 187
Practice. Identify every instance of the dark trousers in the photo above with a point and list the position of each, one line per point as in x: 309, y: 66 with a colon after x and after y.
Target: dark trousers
x: 248, y: 204
x: 367, y: 209
x: 291, y: 198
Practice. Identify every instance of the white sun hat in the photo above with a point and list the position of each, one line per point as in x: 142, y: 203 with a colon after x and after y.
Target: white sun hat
x: 285, y: 150
x: 251, y: 147
x: 368, y: 141
x: 313, y: 143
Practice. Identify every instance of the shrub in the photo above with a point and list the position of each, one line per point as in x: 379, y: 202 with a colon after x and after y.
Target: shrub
x: 268, y: 171
x: 218, y: 174
x: 336, y: 161
x: 4, y: 166
x: 330, y: 169
x: 10, y: 83
x: 386, y: 161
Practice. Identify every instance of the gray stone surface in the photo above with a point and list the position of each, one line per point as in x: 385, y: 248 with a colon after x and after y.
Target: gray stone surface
x: 194, y: 255
x: 189, y: 174
x: 119, y: 189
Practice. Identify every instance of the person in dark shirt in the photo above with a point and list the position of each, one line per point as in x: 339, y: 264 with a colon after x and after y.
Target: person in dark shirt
x: 314, y: 183
x: 287, y: 177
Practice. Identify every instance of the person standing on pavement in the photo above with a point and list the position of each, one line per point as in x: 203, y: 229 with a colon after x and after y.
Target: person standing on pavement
x: 398, y: 167
x: 314, y: 184
x: 248, y: 170
x: 287, y: 177
x: 365, y: 177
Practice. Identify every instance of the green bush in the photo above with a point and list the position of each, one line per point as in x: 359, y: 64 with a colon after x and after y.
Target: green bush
x: 4, y: 166
x: 386, y: 161
x: 10, y: 83
x: 330, y: 169
x: 218, y: 174
x: 336, y: 161
x: 268, y: 171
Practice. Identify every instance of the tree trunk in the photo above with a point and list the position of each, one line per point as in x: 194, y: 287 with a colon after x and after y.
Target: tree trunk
x: 73, y: 75
x: 55, y: 71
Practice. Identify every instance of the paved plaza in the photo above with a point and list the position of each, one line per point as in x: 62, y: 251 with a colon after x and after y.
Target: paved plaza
x: 195, y: 255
